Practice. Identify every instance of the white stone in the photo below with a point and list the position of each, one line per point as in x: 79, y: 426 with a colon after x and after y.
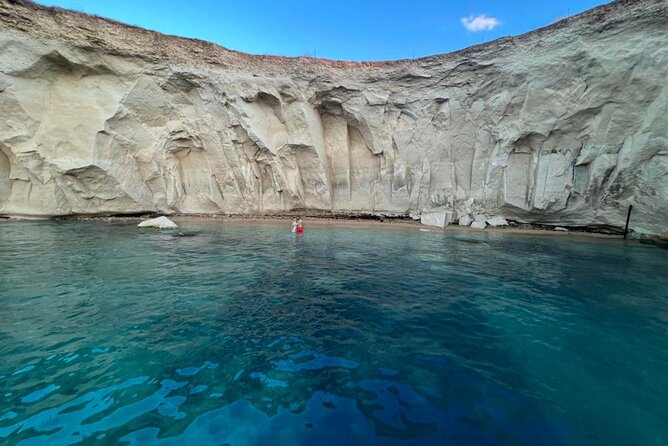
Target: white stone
x: 440, y: 218
x: 560, y: 229
x: 479, y: 224
x: 465, y: 220
x: 101, y: 118
x: 497, y: 220
x: 158, y: 223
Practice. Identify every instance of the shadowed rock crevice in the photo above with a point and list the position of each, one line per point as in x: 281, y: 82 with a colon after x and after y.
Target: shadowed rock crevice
x: 5, y: 183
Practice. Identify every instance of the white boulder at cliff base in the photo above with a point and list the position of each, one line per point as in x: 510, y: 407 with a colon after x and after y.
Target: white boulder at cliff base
x: 158, y: 223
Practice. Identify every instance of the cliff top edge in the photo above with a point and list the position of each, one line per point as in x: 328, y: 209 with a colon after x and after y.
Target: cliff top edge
x: 94, y: 32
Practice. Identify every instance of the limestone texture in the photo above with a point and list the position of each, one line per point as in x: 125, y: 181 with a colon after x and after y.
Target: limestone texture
x: 497, y: 220
x: 438, y: 217
x: 564, y: 125
x: 158, y: 223
x: 479, y: 224
x: 465, y: 220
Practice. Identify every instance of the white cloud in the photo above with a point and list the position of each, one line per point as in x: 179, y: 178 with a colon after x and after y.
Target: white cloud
x: 480, y: 23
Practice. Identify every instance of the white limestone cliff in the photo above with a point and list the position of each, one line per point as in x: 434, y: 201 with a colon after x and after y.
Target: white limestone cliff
x: 565, y: 125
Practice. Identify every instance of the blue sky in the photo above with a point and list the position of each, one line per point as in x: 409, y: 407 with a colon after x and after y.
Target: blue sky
x: 337, y: 29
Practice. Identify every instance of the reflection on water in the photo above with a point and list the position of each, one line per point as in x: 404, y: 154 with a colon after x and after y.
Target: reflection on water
x: 249, y: 335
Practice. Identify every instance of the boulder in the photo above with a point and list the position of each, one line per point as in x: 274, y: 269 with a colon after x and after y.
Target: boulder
x: 497, y: 220
x: 158, y: 223
x: 465, y: 220
x: 560, y: 229
x: 440, y: 217
x: 478, y: 224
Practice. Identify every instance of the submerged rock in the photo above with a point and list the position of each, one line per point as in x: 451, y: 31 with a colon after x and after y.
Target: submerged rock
x: 185, y: 234
x: 158, y: 223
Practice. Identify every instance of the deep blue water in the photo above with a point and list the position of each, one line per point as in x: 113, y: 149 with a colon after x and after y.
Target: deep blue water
x: 230, y: 333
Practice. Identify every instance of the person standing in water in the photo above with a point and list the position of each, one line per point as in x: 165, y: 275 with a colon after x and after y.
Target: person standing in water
x: 294, y: 225
x: 300, y: 225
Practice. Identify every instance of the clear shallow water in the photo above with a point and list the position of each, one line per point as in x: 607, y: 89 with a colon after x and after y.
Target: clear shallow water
x: 250, y: 335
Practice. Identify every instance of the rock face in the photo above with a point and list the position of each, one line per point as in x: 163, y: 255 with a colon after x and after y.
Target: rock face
x: 564, y: 125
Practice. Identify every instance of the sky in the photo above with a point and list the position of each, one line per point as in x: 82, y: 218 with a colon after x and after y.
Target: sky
x: 355, y: 30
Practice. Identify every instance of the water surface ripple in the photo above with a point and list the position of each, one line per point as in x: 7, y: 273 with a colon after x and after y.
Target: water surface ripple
x: 245, y: 334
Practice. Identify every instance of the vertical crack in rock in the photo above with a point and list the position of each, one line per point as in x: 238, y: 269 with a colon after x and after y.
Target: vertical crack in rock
x: 5, y: 182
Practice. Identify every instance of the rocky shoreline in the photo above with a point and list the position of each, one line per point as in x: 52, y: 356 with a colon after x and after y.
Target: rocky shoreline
x: 365, y: 220
x: 377, y: 220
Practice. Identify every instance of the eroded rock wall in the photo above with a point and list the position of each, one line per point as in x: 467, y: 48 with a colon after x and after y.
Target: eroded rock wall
x: 565, y: 125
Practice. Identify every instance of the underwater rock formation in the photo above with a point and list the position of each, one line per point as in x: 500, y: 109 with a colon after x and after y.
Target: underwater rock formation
x: 564, y: 125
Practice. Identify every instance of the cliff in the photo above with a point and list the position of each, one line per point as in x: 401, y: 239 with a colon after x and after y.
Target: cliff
x: 565, y: 125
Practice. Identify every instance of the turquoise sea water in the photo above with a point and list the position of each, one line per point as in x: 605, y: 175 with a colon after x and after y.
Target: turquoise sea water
x: 230, y: 333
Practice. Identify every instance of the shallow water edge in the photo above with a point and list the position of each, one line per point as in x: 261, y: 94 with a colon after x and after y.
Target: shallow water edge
x: 359, y: 220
